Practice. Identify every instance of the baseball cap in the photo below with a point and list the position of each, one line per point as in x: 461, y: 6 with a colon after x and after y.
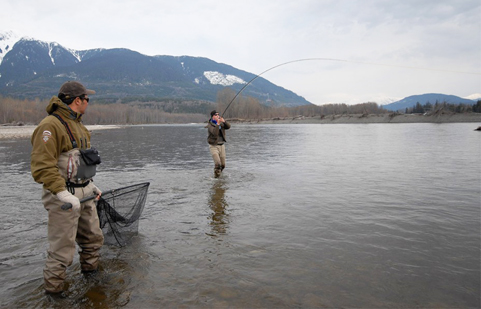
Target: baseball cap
x: 73, y: 89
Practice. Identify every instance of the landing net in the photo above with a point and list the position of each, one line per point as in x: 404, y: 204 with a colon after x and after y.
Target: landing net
x: 119, y: 212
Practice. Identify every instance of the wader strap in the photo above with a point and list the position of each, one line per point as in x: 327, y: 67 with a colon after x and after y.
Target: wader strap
x: 70, y: 135
x: 71, y: 186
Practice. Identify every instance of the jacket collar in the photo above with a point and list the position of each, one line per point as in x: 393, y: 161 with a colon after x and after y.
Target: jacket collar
x: 62, y: 109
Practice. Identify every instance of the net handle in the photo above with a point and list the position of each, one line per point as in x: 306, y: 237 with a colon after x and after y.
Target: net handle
x: 67, y: 206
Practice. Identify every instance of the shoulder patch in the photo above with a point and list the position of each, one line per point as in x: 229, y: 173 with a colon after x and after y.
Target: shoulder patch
x: 46, y: 136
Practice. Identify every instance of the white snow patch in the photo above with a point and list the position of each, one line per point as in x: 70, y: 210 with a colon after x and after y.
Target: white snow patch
x: 70, y: 75
x: 50, y: 48
x: 217, y: 78
x: 474, y: 96
x: 7, y: 40
x: 75, y: 53
x: 384, y: 100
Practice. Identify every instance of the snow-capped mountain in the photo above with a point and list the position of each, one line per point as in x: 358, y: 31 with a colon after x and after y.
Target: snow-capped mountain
x: 423, y: 99
x: 32, y: 68
x: 384, y: 100
x: 474, y: 96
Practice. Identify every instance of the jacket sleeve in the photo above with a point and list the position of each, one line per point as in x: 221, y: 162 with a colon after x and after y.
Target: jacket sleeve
x: 213, y: 130
x: 47, y: 141
x: 226, y: 125
x: 213, y: 133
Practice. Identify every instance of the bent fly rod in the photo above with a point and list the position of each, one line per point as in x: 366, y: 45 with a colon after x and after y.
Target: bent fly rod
x: 339, y: 60
x: 258, y: 75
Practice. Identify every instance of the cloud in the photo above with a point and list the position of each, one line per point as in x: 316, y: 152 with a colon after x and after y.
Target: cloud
x: 257, y: 35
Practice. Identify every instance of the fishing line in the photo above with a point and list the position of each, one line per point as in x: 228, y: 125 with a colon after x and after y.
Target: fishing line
x: 342, y: 60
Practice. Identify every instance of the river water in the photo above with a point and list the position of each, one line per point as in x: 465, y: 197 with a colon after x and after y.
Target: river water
x: 304, y: 216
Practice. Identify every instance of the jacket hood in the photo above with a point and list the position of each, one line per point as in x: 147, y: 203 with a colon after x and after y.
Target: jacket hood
x: 63, y: 109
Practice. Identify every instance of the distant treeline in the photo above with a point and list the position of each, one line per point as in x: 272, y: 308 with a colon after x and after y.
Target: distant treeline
x: 33, y: 111
x: 176, y: 111
x: 251, y: 108
x: 455, y: 108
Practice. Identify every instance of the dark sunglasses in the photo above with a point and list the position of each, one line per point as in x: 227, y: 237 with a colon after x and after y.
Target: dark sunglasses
x: 84, y: 98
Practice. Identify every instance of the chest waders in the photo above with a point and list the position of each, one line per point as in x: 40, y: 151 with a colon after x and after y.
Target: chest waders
x: 77, y: 166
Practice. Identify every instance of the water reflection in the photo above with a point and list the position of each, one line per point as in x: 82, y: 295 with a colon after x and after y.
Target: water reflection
x: 121, y: 270
x: 217, y: 202
x: 337, y: 225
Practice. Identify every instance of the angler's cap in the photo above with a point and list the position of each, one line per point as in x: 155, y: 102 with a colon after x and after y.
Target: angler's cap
x: 212, y: 113
x: 73, y: 89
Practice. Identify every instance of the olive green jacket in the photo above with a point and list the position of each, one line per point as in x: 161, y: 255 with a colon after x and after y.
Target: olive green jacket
x: 50, y: 139
x: 214, y: 131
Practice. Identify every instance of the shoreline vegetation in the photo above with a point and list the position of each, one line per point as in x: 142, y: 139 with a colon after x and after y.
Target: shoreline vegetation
x: 14, y: 131
x: 441, y: 117
x: 244, y: 111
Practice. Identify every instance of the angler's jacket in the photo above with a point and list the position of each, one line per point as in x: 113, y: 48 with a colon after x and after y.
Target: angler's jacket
x: 214, y: 131
x: 50, y: 139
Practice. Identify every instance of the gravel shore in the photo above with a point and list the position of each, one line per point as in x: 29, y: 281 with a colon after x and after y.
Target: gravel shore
x: 362, y: 118
x: 12, y: 132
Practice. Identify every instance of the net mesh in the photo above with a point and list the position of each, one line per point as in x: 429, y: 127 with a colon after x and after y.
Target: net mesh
x: 119, y: 212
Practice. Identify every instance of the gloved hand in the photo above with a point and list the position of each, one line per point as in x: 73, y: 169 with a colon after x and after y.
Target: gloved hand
x: 68, y: 197
x: 97, y: 191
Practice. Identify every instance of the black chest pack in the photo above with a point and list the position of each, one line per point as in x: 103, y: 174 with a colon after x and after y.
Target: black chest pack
x: 90, y: 158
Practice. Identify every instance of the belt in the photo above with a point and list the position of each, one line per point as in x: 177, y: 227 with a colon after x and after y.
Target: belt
x: 78, y: 185
x: 71, y: 186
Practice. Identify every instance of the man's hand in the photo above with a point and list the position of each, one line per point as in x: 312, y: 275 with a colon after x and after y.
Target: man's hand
x: 97, y: 191
x: 218, y: 118
x: 68, y: 197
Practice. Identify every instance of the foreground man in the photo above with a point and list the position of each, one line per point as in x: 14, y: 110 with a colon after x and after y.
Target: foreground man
x: 216, y: 139
x: 58, y: 164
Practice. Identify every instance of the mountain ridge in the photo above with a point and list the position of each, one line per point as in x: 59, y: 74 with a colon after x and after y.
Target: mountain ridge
x: 33, y: 68
x: 423, y: 99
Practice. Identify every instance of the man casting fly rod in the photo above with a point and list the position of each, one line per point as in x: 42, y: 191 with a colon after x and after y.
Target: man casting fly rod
x: 217, y: 139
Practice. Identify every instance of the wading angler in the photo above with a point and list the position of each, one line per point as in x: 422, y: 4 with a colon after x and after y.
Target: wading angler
x: 216, y: 139
x: 64, y: 162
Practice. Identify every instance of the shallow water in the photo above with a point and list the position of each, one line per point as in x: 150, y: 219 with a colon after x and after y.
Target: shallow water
x: 311, y: 216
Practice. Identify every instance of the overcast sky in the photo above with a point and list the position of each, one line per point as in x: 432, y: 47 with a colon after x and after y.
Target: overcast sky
x: 389, y: 49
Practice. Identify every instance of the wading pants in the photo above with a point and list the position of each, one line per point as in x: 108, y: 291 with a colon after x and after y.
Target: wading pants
x: 218, y: 154
x: 65, y: 228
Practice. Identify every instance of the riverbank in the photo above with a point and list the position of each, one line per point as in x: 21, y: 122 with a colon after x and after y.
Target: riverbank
x: 12, y: 132
x: 371, y: 118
